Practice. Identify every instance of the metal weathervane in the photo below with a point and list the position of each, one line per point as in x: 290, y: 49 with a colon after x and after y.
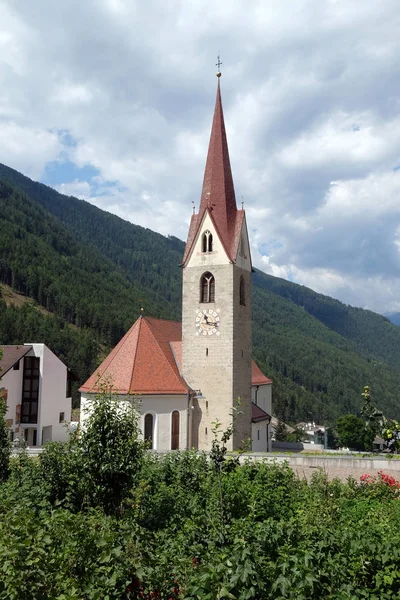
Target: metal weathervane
x: 218, y: 64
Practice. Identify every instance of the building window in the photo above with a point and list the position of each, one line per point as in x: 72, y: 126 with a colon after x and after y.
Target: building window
x: 207, y: 242
x: 242, y: 295
x: 148, y: 429
x: 207, y: 288
x: 30, y: 392
x: 16, y: 366
x: 61, y: 417
x: 175, y: 430
x: 258, y: 434
x: 34, y: 437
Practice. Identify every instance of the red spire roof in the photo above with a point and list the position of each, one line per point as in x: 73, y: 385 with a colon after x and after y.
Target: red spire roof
x: 218, y: 194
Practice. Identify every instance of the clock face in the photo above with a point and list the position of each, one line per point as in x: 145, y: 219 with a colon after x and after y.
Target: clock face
x: 207, y: 321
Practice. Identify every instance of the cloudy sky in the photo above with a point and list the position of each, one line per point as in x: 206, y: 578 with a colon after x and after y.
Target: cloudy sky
x: 112, y: 101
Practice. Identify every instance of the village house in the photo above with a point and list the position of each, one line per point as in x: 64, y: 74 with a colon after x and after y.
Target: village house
x: 34, y: 385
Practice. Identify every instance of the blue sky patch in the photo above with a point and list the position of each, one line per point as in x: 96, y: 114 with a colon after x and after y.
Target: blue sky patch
x: 56, y: 172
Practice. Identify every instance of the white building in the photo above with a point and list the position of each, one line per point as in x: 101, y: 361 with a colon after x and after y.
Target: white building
x: 34, y: 386
x: 190, y: 374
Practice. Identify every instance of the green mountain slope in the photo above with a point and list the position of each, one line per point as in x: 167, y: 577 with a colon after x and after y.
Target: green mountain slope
x: 146, y: 257
x: 95, y: 270
x: 44, y: 260
x: 373, y: 335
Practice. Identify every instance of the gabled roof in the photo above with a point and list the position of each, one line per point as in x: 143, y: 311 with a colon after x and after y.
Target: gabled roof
x: 257, y: 376
x: 142, y: 362
x: 258, y: 414
x: 148, y: 360
x: 11, y: 355
x: 218, y: 193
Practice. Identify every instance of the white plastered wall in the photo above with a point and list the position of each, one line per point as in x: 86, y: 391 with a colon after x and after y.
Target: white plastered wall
x: 161, y: 407
x: 259, y: 436
x: 52, y: 395
x: 262, y: 396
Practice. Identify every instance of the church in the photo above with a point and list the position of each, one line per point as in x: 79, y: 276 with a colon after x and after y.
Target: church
x: 187, y: 375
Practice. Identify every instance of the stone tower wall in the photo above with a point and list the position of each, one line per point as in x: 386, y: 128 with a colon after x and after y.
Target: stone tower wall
x: 214, y: 364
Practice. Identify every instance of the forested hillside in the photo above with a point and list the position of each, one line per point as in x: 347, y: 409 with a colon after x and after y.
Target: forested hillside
x: 94, y: 271
x: 42, y: 259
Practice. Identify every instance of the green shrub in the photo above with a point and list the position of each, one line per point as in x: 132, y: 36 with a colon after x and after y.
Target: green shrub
x: 98, y: 518
x: 5, y: 445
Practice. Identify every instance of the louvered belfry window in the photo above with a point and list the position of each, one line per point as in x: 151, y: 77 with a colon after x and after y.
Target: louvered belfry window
x: 207, y: 242
x: 207, y: 288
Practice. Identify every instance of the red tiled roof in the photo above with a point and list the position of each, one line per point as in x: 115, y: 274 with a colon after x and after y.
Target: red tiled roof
x: 148, y: 360
x: 218, y: 194
x: 11, y: 355
x: 257, y: 376
x: 142, y: 362
x: 258, y: 414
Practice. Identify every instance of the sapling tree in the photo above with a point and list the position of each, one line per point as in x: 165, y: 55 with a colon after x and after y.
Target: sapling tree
x: 100, y: 464
x: 110, y: 450
x: 388, y: 429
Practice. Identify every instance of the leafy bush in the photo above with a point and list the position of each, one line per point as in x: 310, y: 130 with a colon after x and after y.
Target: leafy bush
x: 100, y: 518
x: 99, y: 466
x: 353, y: 433
x: 5, y: 446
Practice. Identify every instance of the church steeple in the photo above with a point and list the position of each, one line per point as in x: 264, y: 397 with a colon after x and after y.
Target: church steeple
x: 216, y: 300
x: 218, y: 193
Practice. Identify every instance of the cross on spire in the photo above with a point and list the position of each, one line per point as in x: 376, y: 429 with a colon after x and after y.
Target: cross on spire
x: 218, y: 64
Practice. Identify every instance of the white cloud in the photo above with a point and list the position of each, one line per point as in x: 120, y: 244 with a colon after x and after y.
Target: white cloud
x: 79, y: 189
x: 27, y: 147
x: 311, y: 93
x: 359, y: 140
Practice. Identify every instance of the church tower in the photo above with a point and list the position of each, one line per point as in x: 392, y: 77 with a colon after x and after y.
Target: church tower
x: 216, y: 303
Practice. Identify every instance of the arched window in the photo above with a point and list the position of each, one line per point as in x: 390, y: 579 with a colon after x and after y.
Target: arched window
x: 207, y: 242
x: 148, y: 428
x: 207, y: 288
x: 242, y: 294
x: 175, y: 430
